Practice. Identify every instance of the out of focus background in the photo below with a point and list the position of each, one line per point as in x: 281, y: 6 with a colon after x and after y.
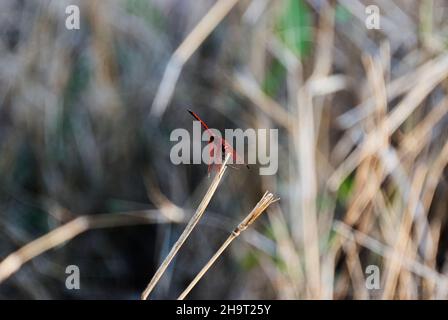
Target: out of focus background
x: 85, y: 123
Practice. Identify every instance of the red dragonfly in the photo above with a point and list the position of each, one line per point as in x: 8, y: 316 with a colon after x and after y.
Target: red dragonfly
x: 225, y: 146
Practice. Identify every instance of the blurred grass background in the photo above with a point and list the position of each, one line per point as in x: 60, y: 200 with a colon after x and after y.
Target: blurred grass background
x: 86, y: 115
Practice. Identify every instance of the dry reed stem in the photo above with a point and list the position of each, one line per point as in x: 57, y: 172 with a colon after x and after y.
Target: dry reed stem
x: 244, y: 83
x: 352, y: 118
x: 412, y: 142
x: 434, y: 176
x: 369, y: 173
x: 308, y: 125
x: 355, y: 271
x: 265, y: 201
x: 287, y: 252
x: 190, y: 226
x: 194, y: 39
x: 416, y: 140
x: 306, y: 158
x: 436, y: 73
x: 14, y: 261
x: 404, y: 234
x: 387, y: 252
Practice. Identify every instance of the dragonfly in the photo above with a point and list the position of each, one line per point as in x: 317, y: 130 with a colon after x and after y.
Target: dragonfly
x: 217, y: 142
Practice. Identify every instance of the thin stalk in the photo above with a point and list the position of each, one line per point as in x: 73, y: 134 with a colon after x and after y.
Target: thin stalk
x: 265, y: 202
x: 66, y: 232
x: 190, y: 226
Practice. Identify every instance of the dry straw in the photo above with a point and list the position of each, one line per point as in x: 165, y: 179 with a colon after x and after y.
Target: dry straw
x: 66, y: 232
x: 266, y: 201
x: 185, y: 50
x: 190, y: 226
